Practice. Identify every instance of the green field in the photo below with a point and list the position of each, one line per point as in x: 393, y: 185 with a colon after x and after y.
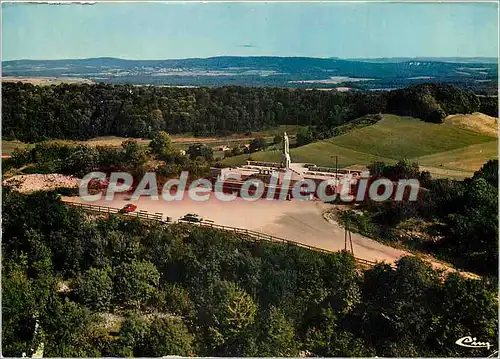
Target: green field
x: 467, y: 158
x: 405, y: 137
x: 9, y: 146
x: 321, y: 153
x: 446, y: 150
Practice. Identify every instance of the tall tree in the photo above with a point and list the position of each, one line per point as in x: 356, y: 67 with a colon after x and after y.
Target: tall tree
x: 161, y: 145
x: 135, y: 282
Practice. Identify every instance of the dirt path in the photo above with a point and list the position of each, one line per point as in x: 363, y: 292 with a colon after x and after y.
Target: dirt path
x: 310, y: 227
x: 190, y: 140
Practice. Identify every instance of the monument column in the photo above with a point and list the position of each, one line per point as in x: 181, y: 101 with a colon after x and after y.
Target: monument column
x: 285, y: 155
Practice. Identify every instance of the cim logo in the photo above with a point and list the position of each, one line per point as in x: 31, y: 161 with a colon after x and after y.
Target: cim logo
x: 470, y: 342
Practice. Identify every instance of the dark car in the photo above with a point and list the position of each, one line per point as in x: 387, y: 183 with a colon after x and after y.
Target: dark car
x: 191, y: 217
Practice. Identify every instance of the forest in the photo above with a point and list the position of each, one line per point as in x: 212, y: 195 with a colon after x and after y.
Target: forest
x: 86, y: 285
x: 456, y: 221
x: 79, y: 112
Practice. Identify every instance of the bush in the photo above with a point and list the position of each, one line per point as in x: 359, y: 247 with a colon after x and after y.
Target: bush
x: 174, y: 299
x: 166, y: 336
x: 304, y: 137
x: 21, y: 157
x: 45, y: 168
x: 489, y: 171
x: 359, y: 222
x: 277, y: 139
x: 258, y: 144
x: 64, y: 191
x: 94, y: 288
x: 135, y: 282
x: 199, y: 150
x: 364, y: 121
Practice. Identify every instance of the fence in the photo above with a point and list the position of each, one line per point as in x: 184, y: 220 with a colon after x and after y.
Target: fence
x: 257, y: 235
x: 254, y: 234
x: 109, y: 210
x: 261, y: 236
x: 264, y: 164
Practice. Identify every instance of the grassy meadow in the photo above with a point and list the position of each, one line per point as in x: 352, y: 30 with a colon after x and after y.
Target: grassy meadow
x: 9, y: 146
x: 405, y: 137
x: 446, y: 150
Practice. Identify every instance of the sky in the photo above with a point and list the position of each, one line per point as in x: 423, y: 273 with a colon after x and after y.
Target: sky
x: 182, y: 30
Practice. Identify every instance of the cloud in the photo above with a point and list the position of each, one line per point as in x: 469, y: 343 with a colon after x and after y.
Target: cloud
x: 63, y: 2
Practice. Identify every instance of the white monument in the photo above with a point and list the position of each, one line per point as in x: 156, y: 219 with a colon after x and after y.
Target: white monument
x: 285, y: 155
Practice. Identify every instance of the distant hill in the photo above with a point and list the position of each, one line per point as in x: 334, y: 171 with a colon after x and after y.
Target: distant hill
x: 366, y: 74
x: 457, y: 60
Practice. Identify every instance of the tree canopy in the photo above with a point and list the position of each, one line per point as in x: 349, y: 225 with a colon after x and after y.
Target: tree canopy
x: 455, y: 220
x: 79, y: 112
x: 116, y: 286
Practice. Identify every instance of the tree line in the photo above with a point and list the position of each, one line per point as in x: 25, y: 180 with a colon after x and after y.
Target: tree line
x: 80, y: 111
x: 131, y: 157
x: 454, y: 220
x: 117, y: 287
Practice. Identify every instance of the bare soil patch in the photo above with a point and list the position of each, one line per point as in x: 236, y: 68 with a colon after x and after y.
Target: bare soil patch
x: 477, y: 122
x: 40, y: 182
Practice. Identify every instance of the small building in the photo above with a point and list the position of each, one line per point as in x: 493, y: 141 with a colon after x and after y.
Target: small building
x: 223, y: 148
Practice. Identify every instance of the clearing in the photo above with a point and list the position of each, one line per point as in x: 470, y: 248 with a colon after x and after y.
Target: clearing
x: 406, y: 137
x: 9, y: 146
x: 466, y: 159
x: 300, y: 221
x: 321, y: 153
x: 40, y: 182
x: 456, y: 148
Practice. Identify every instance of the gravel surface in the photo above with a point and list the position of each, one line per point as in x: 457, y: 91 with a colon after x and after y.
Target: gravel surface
x: 36, y: 182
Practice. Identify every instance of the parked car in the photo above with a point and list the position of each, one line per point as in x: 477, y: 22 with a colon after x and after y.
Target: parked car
x: 128, y: 208
x: 191, y: 217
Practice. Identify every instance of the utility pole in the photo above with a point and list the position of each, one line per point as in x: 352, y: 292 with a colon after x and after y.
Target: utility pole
x: 336, y: 165
x: 347, y: 234
x: 336, y: 172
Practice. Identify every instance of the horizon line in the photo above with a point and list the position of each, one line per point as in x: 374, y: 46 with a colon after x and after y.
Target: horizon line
x: 262, y: 56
